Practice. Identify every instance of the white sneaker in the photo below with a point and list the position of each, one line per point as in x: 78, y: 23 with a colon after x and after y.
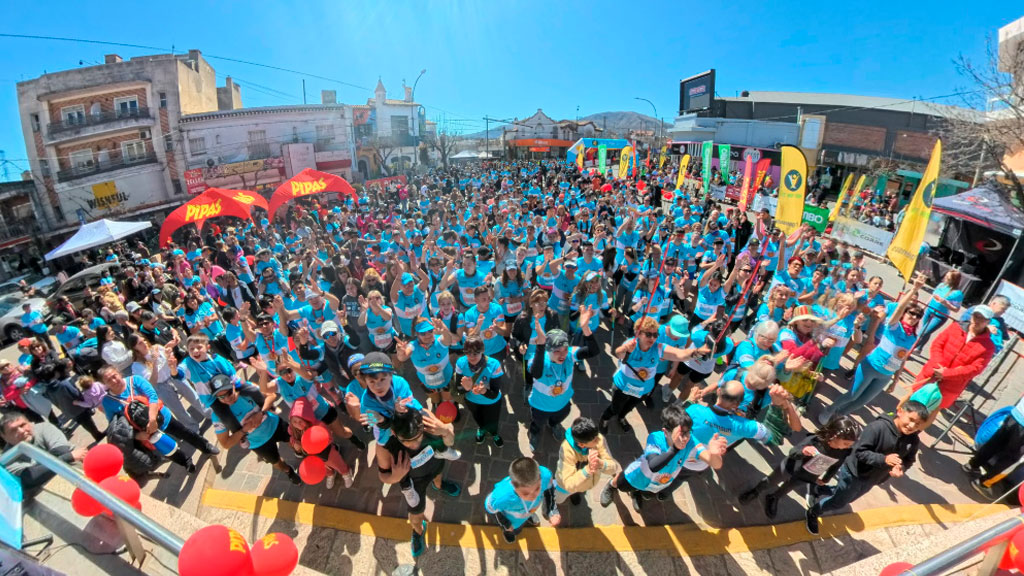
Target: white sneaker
x: 449, y: 454
x: 330, y: 480
x: 347, y: 479
x: 411, y: 497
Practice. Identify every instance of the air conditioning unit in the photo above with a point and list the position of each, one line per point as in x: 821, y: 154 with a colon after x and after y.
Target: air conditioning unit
x: 144, y: 134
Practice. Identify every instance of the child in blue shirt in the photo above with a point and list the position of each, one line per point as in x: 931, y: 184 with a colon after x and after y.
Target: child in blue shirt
x: 515, y: 500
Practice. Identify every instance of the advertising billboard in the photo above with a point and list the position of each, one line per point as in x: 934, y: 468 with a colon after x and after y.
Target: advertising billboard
x: 697, y: 93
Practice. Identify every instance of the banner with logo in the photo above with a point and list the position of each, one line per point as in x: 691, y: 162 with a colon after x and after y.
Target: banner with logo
x: 718, y: 192
x: 724, y: 161
x: 210, y: 204
x: 308, y: 182
x: 1014, y: 315
x: 791, y: 190
x: 624, y: 157
x: 602, y: 157
x: 762, y: 202
x: 661, y: 159
x: 816, y: 217
x: 195, y: 181
x: 865, y: 236
x: 842, y: 197
x: 684, y: 163
x: 760, y: 173
x: 748, y: 173
x: 906, y: 245
x: 707, y: 152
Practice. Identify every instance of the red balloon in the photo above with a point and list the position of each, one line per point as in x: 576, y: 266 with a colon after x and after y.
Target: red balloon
x: 315, y: 439
x: 312, y: 470
x: 895, y: 569
x: 215, y: 551
x: 447, y: 411
x: 606, y: 188
x: 102, y: 461
x: 1015, y: 551
x: 85, y: 505
x: 124, y: 488
x: 274, y: 555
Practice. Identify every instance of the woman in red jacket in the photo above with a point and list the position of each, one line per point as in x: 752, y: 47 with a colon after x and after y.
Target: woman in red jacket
x: 957, y: 356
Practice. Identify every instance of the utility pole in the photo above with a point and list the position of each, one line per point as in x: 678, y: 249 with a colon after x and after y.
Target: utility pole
x: 303, y: 91
x: 487, y: 136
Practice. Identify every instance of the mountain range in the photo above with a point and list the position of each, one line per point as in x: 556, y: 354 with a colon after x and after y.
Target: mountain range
x: 613, y: 123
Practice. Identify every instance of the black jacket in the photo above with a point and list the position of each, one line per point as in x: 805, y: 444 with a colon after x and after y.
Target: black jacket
x: 245, y: 296
x: 138, y: 460
x: 879, y: 439
x: 522, y: 330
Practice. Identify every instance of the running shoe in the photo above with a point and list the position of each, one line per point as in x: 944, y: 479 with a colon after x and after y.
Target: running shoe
x: 419, y: 541
x: 449, y: 454
x: 498, y: 442
x: 448, y: 487
x: 607, y: 494
x: 480, y: 435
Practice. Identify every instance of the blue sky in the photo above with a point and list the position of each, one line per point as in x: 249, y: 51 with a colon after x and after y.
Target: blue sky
x: 507, y: 59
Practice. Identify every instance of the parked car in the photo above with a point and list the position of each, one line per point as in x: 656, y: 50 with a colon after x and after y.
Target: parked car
x: 43, y: 284
x: 74, y: 288
x: 11, y: 312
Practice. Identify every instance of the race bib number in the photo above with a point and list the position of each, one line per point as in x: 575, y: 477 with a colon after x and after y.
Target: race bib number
x: 422, y: 458
x: 513, y: 308
x: 819, y: 464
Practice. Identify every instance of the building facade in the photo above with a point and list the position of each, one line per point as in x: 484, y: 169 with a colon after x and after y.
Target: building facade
x: 104, y: 141
x: 387, y: 133
x: 258, y: 148
x: 541, y: 136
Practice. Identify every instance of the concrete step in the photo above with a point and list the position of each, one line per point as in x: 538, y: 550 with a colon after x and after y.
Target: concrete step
x: 51, y: 513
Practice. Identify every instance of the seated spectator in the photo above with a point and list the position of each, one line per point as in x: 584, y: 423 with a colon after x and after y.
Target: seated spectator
x: 15, y: 428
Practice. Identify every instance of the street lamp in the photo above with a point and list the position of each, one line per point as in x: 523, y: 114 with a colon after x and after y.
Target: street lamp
x: 653, y: 107
x: 417, y: 81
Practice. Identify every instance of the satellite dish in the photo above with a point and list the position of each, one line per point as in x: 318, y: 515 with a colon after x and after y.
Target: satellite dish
x: 210, y: 162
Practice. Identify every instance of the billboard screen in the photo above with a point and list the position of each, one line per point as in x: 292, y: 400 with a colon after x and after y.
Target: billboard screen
x: 697, y: 93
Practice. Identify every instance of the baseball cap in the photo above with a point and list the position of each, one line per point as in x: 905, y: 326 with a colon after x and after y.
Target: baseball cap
x: 557, y: 338
x: 570, y: 264
x: 983, y: 311
x: 355, y: 359
x: 679, y: 326
x: 221, y: 382
x: 25, y: 342
x: 377, y: 363
x: 328, y: 327
x: 407, y: 278
x: 132, y: 307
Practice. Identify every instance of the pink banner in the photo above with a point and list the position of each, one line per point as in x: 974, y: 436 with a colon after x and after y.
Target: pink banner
x: 748, y: 169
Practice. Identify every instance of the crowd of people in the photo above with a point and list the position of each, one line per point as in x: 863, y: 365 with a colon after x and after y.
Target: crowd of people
x: 462, y: 285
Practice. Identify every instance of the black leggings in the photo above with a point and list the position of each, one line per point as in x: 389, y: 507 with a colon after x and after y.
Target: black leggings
x: 486, y: 415
x: 538, y: 418
x: 85, y: 420
x: 183, y: 433
x: 621, y: 405
x: 1002, y: 449
x: 780, y: 482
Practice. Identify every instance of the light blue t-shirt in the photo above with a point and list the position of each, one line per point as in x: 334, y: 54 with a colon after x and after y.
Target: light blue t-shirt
x: 641, y: 477
x: 503, y: 498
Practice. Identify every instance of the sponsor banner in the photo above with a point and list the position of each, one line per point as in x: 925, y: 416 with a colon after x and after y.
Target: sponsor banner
x: 385, y: 181
x: 195, y: 181
x: 791, y: 190
x: 707, y: 152
x: 1014, y: 315
x: 906, y: 245
x: 602, y: 159
x: 718, y: 192
x: 761, y: 202
x: 874, y: 240
x: 816, y: 217
x: 105, y: 196
x: 579, y: 157
x: 733, y: 193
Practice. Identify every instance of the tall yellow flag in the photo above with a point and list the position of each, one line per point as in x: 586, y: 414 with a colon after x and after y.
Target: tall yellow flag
x: 842, y: 197
x: 661, y: 159
x: 855, y: 193
x: 906, y: 245
x: 624, y: 159
x: 684, y: 163
x: 790, y: 211
x: 580, y: 153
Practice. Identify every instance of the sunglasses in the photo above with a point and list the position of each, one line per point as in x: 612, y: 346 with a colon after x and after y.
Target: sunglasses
x: 330, y: 335
x: 649, y: 334
x: 226, y: 394
x: 914, y: 313
x: 285, y: 371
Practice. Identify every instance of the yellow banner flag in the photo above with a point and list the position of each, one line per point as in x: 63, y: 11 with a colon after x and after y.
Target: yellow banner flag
x: 661, y: 159
x: 906, y: 245
x: 855, y: 193
x: 684, y: 163
x: 624, y: 159
x: 790, y: 211
x: 842, y: 197
x: 580, y: 153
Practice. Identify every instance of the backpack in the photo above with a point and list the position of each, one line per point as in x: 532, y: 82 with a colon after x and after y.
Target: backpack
x: 87, y: 361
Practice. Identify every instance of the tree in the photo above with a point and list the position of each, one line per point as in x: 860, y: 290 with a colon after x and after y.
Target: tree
x: 986, y: 136
x: 383, y: 147
x: 444, y: 143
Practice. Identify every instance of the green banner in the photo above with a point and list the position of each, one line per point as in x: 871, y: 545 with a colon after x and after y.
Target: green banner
x: 706, y: 154
x: 816, y: 217
x: 724, y: 162
x: 602, y: 155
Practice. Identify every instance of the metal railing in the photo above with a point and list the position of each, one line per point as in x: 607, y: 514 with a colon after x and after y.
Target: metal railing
x: 991, y: 542
x: 122, y: 512
x: 105, y: 166
x: 75, y: 122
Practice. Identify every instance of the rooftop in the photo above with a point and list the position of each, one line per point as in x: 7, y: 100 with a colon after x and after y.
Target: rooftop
x: 261, y: 110
x: 852, y: 101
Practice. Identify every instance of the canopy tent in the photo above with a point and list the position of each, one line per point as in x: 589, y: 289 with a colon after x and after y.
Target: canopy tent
x: 985, y: 206
x: 96, y: 234
x: 466, y: 155
x: 210, y: 204
x: 308, y: 182
x: 584, y: 144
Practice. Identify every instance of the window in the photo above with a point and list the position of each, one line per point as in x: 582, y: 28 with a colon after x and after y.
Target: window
x: 197, y: 146
x: 73, y: 115
x: 168, y: 142
x: 325, y: 133
x: 364, y: 131
x: 126, y: 107
x: 81, y: 160
x: 34, y: 120
x: 133, y: 150
x: 178, y: 190
x: 44, y: 167
x: 399, y: 126
x: 163, y: 99
x: 258, y: 146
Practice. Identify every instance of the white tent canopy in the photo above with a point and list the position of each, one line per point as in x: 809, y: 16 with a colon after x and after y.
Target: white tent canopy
x: 96, y: 234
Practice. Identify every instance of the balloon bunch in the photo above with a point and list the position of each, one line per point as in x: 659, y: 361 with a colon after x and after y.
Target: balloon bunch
x: 220, y: 551
x: 102, y: 465
x: 315, y: 440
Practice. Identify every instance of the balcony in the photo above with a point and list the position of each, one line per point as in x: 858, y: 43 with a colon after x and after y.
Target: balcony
x: 104, y: 166
x: 75, y: 126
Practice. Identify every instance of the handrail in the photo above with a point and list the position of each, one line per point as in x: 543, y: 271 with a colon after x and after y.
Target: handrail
x: 155, y: 532
x: 992, y: 540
